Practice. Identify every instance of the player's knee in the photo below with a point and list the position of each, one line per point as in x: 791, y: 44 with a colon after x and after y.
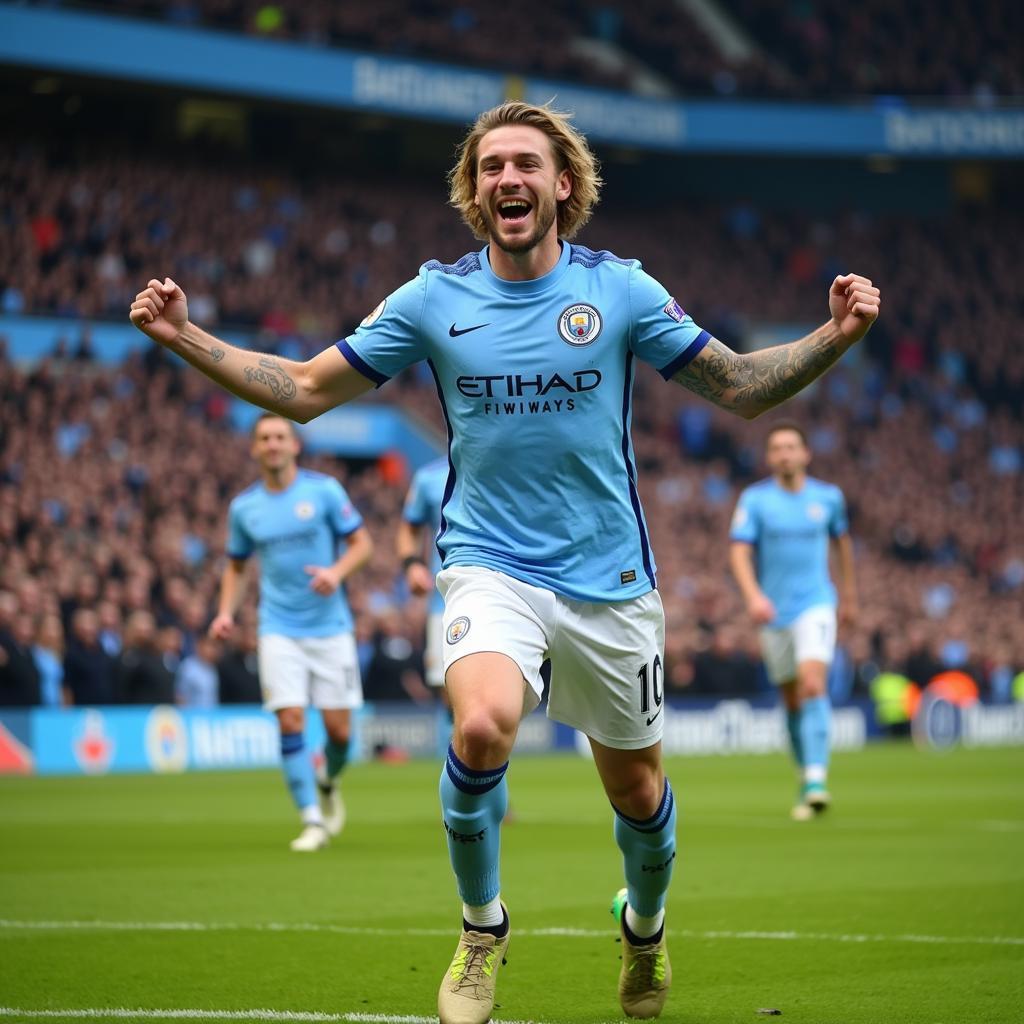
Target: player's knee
x: 290, y: 720
x: 339, y: 734
x: 811, y: 683
x: 483, y: 737
x: 638, y: 795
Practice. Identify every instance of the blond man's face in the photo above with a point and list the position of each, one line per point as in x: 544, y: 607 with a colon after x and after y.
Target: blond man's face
x: 519, y: 186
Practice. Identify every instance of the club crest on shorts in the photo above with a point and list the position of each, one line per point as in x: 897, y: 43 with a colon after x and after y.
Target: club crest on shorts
x: 458, y: 629
x: 375, y: 315
x: 304, y: 510
x: 579, y: 324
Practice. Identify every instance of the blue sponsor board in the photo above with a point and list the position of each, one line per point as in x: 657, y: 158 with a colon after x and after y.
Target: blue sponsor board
x: 95, y: 741
x: 144, y: 51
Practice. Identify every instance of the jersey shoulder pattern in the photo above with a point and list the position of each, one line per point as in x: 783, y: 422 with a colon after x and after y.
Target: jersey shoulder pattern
x: 591, y: 258
x: 463, y: 267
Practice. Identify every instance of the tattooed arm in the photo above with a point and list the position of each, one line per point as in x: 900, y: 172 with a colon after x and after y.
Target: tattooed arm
x: 298, y: 391
x: 755, y: 382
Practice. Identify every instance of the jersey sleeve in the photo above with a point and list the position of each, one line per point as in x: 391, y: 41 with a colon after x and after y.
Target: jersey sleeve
x: 239, y: 542
x: 663, y: 334
x: 342, y: 515
x: 838, y: 522
x: 416, y: 509
x: 389, y: 339
x: 746, y: 525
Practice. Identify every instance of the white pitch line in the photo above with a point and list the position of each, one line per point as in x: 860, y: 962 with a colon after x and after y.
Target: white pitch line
x: 287, y: 1016
x: 572, y: 933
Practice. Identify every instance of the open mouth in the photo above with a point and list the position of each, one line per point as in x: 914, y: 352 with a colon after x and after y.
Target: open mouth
x: 511, y: 210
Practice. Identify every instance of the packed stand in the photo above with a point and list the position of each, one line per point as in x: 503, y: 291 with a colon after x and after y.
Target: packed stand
x: 113, y: 488
x: 796, y: 50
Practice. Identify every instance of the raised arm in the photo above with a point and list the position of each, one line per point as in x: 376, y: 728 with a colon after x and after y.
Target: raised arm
x: 298, y: 391
x: 752, y: 383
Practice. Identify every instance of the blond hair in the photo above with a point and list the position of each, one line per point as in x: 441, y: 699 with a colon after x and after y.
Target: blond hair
x: 571, y: 153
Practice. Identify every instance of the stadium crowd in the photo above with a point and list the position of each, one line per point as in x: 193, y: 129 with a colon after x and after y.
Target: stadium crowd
x: 114, y: 486
x: 795, y: 50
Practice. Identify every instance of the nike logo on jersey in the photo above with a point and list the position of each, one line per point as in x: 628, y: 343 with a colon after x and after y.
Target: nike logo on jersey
x: 454, y: 332
x: 654, y: 716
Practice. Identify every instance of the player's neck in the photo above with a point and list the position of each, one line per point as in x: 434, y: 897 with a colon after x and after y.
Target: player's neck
x: 280, y: 479
x: 792, y: 483
x: 528, y: 265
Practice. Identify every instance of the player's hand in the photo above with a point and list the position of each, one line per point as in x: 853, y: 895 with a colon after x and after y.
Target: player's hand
x: 222, y: 627
x: 761, y: 609
x: 419, y: 579
x: 325, y: 580
x: 849, y: 612
x: 854, y: 303
x: 160, y: 311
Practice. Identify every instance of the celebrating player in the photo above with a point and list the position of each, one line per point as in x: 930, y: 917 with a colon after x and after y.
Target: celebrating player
x: 422, y: 512
x: 294, y: 519
x: 779, y: 555
x: 532, y: 342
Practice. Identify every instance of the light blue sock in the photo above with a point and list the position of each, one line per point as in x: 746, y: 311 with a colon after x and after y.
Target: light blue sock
x: 793, y: 720
x: 297, y: 766
x: 473, y: 804
x: 648, y: 852
x: 815, y: 727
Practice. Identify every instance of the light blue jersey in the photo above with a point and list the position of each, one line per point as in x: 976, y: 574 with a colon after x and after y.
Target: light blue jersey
x: 535, y: 380
x: 791, y: 531
x: 423, y: 508
x: 289, y: 530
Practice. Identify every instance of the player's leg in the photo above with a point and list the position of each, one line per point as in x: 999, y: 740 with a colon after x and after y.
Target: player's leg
x: 337, y: 691
x: 607, y: 681
x: 814, y: 636
x: 297, y: 765
x: 645, y: 830
x: 778, y: 655
x: 485, y: 617
x: 283, y: 677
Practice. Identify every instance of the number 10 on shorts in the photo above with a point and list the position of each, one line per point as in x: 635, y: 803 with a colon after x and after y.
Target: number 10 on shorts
x: 651, y: 688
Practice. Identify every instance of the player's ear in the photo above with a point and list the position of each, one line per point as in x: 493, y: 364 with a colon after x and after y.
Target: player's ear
x: 563, y: 188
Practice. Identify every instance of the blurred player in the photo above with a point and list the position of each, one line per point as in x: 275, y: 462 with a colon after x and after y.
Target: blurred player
x: 422, y: 514
x: 295, y: 521
x: 781, y: 533
x: 532, y: 342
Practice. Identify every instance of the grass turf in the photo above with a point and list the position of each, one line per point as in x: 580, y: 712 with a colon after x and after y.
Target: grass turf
x: 919, y: 848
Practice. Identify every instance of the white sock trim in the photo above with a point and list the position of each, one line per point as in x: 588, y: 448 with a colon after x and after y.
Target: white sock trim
x: 487, y: 916
x: 643, y: 927
x: 815, y: 773
x: 311, y: 815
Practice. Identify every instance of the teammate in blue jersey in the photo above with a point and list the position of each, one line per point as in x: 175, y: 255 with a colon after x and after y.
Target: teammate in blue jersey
x: 309, y: 539
x: 421, y: 514
x: 533, y: 343
x: 782, y: 531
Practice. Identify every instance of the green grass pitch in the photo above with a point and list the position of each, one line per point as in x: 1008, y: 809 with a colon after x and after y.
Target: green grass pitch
x: 904, y: 904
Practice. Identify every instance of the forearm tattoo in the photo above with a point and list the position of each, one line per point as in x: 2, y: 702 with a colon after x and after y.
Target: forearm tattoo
x: 216, y: 354
x: 757, y: 381
x: 272, y: 374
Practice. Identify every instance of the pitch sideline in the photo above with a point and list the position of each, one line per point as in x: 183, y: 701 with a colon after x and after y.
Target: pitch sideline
x: 573, y: 933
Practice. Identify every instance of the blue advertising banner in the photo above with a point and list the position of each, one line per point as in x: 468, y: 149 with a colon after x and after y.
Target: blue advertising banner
x: 135, y: 50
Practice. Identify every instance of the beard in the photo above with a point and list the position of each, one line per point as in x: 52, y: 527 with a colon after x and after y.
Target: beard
x: 544, y: 216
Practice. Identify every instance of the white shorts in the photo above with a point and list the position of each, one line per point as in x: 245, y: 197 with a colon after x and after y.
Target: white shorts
x: 433, y: 655
x: 809, y: 637
x: 318, y: 670
x: 607, y: 678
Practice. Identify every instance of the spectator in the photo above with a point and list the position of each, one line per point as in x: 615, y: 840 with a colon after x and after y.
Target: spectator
x: 88, y: 672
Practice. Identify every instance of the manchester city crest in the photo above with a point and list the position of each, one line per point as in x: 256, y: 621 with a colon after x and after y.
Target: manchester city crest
x: 458, y: 629
x: 375, y: 315
x: 304, y: 510
x: 579, y: 324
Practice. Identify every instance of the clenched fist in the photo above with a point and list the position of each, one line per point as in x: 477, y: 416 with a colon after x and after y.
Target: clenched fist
x: 853, y: 302
x: 160, y: 311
